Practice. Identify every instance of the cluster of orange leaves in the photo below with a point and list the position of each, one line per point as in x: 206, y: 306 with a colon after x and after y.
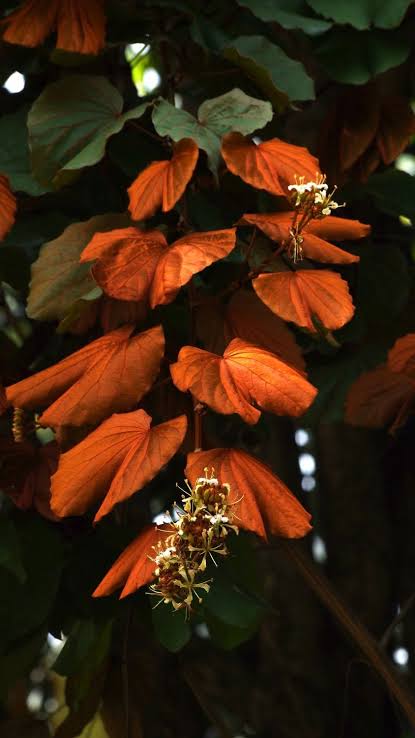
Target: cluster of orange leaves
x: 256, y: 367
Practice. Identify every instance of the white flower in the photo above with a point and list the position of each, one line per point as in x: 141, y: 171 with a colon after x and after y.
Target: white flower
x: 303, y: 187
x: 204, y: 480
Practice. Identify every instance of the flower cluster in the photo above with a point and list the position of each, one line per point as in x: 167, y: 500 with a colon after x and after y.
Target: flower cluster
x: 200, y: 531
x: 310, y: 200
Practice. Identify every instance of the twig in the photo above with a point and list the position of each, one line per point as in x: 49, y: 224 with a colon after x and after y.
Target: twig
x: 353, y: 627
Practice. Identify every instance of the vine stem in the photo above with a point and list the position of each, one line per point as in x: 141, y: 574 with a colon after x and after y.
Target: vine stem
x: 198, y: 427
x: 353, y: 627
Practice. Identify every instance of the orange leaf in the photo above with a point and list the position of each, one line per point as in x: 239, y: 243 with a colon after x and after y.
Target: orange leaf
x: 8, y: 206
x: 163, y: 182
x: 277, y: 227
x: 248, y: 318
x: 186, y: 257
x: 111, y: 373
x: 134, y: 564
x: 126, y: 261
x: 271, y: 165
x: 80, y: 25
x: 25, y: 474
x: 113, y: 462
x: 380, y: 398
x: 401, y: 357
x: 31, y: 23
x: 262, y: 502
x: 133, y: 265
x: 297, y: 296
x: 247, y: 376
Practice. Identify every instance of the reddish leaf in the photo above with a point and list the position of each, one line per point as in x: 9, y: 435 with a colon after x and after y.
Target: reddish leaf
x: 25, y: 474
x: 396, y: 126
x: 247, y: 376
x: 133, y: 265
x: 401, y: 357
x: 380, y: 398
x: 134, y: 567
x: 113, y: 462
x: 111, y: 373
x: 271, y: 165
x: 163, y: 182
x: 80, y: 25
x: 277, y: 227
x: 248, y: 318
x: 31, y: 23
x: 8, y: 206
x: 262, y: 502
x: 298, y: 296
x: 360, y: 120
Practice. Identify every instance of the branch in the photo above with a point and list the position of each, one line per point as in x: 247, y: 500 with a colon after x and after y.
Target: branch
x: 353, y: 627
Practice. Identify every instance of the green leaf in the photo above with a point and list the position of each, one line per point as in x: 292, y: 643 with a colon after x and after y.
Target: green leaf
x: 14, y: 153
x: 290, y: 14
x: 10, y: 552
x: 177, y: 123
x: 207, y: 34
x: 275, y: 73
x: 362, y: 13
x: 368, y: 53
x: 58, y: 279
x: 25, y: 607
x: 78, y: 644
x: 229, y: 636
x: 234, y: 596
x: 69, y: 125
x: 393, y: 192
x: 83, y: 654
x: 233, y: 111
x: 171, y: 627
